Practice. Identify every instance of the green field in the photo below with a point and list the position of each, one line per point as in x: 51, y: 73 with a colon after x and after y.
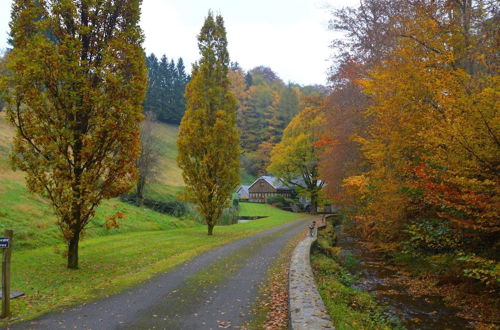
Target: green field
x: 257, y: 209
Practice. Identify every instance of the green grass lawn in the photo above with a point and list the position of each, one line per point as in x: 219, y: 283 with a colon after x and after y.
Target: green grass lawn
x: 258, y: 209
x: 111, y: 263
x: 34, y: 223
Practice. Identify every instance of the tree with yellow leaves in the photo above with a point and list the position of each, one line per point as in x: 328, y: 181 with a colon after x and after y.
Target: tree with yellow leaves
x: 435, y: 118
x: 208, y: 140
x: 295, y: 159
x: 76, y: 82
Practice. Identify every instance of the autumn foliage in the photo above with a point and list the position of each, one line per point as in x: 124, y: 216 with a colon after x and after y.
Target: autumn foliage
x: 208, y: 140
x: 295, y: 158
x: 266, y: 105
x: 422, y: 138
x: 75, y: 87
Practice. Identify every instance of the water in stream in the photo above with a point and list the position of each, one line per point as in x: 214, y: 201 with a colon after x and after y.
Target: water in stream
x: 374, y: 276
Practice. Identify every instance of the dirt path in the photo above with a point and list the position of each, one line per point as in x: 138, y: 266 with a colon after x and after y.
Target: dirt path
x: 214, y: 290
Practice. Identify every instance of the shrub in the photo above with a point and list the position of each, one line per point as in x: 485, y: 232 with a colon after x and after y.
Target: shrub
x: 174, y: 208
x: 484, y: 270
x: 431, y: 236
x: 280, y: 201
x: 229, y: 216
x: 276, y: 199
x: 331, y: 268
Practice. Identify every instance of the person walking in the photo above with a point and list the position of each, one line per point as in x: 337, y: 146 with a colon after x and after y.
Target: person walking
x: 312, y: 226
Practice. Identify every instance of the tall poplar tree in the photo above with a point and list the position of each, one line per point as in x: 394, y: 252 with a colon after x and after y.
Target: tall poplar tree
x: 208, y: 140
x: 76, y: 84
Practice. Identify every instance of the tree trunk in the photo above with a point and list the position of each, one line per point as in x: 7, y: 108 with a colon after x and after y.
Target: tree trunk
x: 73, y: 251
x: 140, y: 190
x: 210, y: 229
x: 314, y: 203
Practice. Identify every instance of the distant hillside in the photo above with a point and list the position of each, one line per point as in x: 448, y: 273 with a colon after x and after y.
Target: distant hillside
x: 266, y: 105
x: 169, y: 173
x: 169, y: 181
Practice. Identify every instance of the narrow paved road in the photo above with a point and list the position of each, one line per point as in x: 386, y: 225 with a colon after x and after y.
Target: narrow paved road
x: 214, y: 290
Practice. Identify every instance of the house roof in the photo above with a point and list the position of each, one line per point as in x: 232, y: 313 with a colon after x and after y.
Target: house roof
x: 273, y: 181
x: 300, y: 182
x: 244, y: 188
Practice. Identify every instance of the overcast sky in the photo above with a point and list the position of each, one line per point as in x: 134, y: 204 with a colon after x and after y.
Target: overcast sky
x: 290, y: 36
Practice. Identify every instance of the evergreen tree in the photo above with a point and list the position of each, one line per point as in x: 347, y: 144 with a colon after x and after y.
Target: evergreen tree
x: 249, y: 79
x: 181, y: 79
x: 151, y: 103
x: 208, y: 140
x: 165, y: 89
x: 167, y: 82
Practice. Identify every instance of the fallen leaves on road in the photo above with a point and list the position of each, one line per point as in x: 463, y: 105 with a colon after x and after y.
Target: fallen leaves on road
x: 224, y: 324
x: 274, y: 294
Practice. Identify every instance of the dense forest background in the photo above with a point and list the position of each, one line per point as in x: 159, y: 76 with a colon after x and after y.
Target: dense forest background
x: 266, y: 104
x: 166, y: 84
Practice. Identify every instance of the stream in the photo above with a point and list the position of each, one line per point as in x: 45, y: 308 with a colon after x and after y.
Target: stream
x: 374, y: 275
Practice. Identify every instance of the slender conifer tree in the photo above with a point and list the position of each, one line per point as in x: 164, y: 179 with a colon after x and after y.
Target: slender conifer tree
x: 208, y: 140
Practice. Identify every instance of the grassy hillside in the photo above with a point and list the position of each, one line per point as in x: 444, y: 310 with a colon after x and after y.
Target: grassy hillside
x: 169, y: 173
x: 32, y: 219
x: 31, y: 216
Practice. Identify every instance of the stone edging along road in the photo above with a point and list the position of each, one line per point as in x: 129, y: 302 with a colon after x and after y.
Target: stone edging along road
x: 307, y: 310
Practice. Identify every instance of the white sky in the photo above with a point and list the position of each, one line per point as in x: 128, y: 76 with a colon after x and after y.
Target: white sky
x: 290, y: 36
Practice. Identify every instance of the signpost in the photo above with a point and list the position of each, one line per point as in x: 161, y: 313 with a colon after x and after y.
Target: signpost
x: 4, y: 242
x: 6, y: 246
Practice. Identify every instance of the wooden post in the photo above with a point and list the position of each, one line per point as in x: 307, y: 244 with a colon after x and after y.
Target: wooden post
x: 7, y: 253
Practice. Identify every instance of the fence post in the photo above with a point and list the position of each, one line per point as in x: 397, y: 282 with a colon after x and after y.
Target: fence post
x: 7, y: 253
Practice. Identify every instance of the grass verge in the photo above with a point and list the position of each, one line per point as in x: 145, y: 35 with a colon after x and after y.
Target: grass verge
x: 112, y: 263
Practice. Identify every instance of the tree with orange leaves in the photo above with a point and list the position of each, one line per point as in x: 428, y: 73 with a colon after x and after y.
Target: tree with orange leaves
x: 435, y: 122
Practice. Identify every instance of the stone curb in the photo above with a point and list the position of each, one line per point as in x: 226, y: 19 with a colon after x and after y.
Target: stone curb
x: 306, y: 308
